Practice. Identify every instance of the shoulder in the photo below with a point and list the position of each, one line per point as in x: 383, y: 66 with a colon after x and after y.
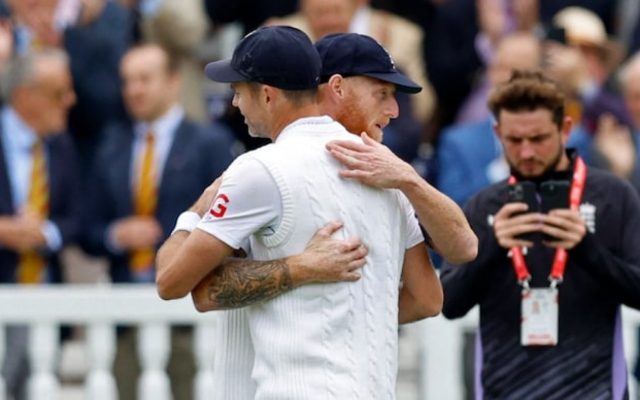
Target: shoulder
x: 608, y: 184
x: 252, y: 159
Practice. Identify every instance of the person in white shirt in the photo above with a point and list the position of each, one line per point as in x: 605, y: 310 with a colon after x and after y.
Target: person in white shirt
x: 345, y: 337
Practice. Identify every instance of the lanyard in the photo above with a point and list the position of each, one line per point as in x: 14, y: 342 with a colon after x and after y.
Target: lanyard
x: 560, y: 258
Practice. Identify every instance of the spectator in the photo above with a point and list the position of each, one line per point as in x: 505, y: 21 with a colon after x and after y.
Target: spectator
x: 582, y: 60
x: 39, y: 188
x: 558, y: 331
x: 181, y: 28
x: 95, y: 34
x: 147, y: 172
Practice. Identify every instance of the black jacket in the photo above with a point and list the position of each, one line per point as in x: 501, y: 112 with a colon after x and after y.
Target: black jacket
x: 603, y: 272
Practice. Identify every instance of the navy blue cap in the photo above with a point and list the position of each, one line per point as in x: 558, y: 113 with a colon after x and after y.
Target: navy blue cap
x: 279, y: 56
x: 352, y: 54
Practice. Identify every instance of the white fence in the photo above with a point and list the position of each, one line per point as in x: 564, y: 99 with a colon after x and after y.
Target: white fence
x: 99, y: 308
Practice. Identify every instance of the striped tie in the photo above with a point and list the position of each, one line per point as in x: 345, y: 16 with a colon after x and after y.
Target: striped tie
x: 31, y: 265
x: 145, y: 203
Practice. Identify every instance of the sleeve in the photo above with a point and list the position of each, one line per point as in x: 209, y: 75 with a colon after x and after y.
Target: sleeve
x: 620, y: 268
x: 248, y: 201
x: 464, y: 285
x: 414, y: 233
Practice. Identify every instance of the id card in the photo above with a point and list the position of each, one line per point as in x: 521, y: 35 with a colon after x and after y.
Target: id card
x: 539, y: 317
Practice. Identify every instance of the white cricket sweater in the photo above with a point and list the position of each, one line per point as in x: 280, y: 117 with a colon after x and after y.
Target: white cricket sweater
x: 328, y: 341
x: 233, y: 359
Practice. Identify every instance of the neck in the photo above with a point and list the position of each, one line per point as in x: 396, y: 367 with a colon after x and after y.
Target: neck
x: 564, y: 162
x: 292, y: 113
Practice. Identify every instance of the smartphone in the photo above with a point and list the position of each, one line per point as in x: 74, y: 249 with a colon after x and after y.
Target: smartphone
x: 554, y: 194
x: 525, y: 192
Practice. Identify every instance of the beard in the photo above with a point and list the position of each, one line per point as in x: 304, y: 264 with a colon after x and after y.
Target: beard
x: 350, y: 116
x: 546, y: 173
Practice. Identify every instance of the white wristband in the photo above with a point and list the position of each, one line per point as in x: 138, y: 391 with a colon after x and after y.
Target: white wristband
x: 187, y: 221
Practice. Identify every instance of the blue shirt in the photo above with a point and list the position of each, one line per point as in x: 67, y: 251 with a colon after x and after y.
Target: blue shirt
x: 18, y: 139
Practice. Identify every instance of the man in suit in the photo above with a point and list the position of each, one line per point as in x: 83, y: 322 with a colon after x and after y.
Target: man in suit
x: 146, y: 173
x: 38, y: 185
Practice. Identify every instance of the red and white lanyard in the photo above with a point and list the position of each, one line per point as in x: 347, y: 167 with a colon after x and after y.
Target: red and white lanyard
x: 560, y: 258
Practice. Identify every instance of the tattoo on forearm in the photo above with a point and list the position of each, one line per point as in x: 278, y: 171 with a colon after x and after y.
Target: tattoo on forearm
x: 242, y: 283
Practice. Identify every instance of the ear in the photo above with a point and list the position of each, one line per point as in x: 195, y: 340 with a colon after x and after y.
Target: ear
x: 496, y: 129
x: 267, y: 94
x: 270, y: 96
x: 565, y: 129
x: 336, y: 85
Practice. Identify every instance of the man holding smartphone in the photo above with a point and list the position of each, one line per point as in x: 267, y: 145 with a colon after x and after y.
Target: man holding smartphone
x: 549, y: 306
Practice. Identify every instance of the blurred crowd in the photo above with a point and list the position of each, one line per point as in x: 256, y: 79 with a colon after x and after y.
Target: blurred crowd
x: 115, y: 91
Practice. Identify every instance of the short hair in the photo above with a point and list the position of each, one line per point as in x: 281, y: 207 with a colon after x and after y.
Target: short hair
x: 20, y: 71
x: 172, y: 63
x: 528, y: 91
x: 296, y: 97
x: 301, y: 97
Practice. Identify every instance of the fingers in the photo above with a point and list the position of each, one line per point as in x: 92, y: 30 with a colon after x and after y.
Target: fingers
x: 363, y: 176
x: 367, y: 140
x: 329, y: 229
x: 358, y: 262
x: 511, y: 208
x: 350, y: 277
x: 508, y: 229
x: 347, y: 145
x: 347, y: 158
x: 565, y: 225
x: 359, y: 253
x: 351, y: 243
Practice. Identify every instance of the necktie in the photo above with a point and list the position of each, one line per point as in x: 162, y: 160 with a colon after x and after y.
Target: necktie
x: 145, y: 199
x: 573, y: 108
x: 32, y: 264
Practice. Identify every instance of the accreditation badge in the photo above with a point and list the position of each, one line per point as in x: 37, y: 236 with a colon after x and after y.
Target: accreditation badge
x: 539, y: 317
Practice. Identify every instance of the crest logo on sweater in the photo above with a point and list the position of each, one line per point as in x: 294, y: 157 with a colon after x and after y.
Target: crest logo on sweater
x: 219, y: 208
x: 588, y: 214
